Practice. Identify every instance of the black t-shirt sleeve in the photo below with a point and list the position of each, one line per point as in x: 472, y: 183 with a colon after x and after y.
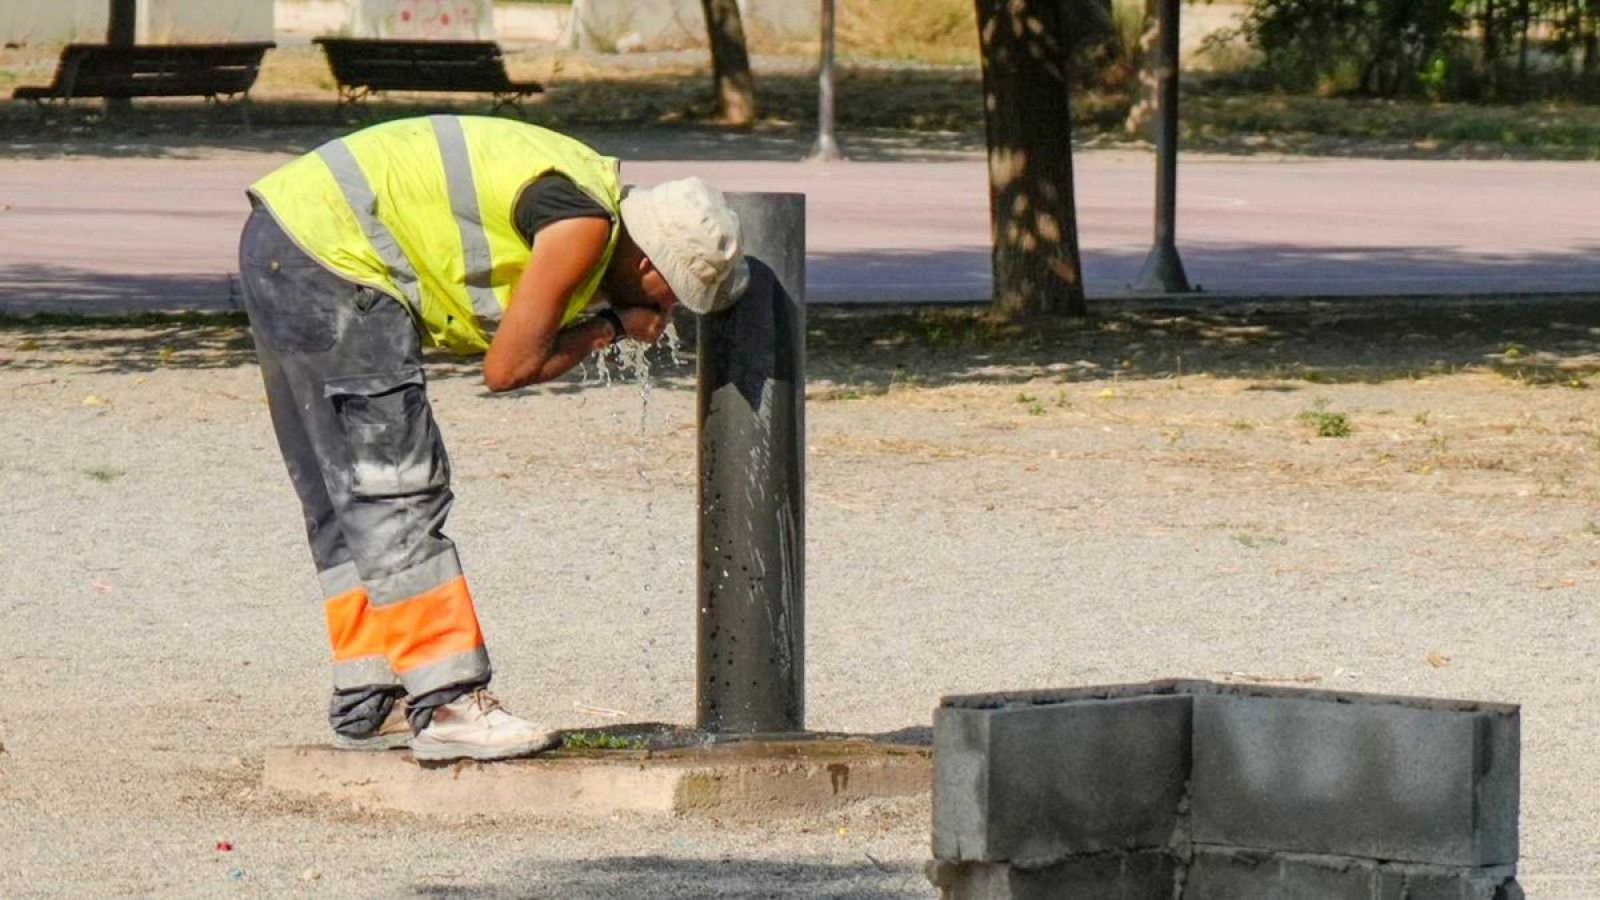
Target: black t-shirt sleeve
x: 552, y: 198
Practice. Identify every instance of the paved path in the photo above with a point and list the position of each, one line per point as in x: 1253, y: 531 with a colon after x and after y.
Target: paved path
x: 131, y: 234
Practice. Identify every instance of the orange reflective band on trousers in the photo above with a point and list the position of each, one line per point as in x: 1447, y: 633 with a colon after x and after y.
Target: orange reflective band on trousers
x: 353, y: 631
x: 430, y: 627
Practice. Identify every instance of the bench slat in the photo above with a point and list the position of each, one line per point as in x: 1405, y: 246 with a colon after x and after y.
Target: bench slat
x: 152, y: 70
x: 409, y: 65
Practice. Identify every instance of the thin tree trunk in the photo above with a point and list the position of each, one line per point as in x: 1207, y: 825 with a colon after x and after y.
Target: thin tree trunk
x: 1526, y: 15
x: 121, y: 28
x: 1033, y: 214
x: 730, y: 62
x: 1491, y: 48
x: 1591, y: 41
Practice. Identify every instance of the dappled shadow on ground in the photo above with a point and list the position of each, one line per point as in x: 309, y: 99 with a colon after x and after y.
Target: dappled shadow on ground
x: 1553, y: 338
x: 961, y: 273
x: 131, y: 345
x: 32, y: 288
x: 884, y: 113
x: 662, y: 876
x: 854, y: 351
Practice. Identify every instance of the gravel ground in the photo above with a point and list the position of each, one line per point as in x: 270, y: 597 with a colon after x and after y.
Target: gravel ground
x: 976, y: 525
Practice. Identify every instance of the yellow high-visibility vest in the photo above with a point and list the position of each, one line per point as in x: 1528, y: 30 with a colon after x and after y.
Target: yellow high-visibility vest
x: 423, y: 210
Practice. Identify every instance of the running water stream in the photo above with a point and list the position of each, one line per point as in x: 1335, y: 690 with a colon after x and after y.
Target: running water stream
x: 629, y: 360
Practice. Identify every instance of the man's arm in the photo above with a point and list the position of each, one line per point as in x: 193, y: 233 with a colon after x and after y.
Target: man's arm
x: 530, y: 345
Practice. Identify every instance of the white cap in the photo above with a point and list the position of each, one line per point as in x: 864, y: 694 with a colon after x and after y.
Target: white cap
x: 687, y: 230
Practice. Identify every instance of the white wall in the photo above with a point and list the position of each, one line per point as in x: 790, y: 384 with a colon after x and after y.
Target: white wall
x: 439, y: 20
x: 52, y: 21
x: 610, y: 25
x: 159, y: 21
x: 199, y: 21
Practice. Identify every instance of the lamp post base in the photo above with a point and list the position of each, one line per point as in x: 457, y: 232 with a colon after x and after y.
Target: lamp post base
x: 1163, y: 272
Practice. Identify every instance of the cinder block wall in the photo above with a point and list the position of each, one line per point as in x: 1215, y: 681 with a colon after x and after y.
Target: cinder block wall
x: 1189, y: 789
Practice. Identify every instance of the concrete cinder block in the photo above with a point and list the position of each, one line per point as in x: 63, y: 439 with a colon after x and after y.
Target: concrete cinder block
x: 1261, y: 875
x: 1402, y: 882
x: 1386, y: 778
x: 1143, y: 875
x: 1038, y: 782
x: 1217, y: 873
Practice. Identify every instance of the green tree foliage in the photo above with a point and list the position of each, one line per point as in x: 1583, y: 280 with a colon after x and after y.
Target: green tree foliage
x: 1447, y: 49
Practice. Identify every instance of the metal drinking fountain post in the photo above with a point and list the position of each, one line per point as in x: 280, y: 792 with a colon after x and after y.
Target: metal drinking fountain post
x: 750, y: 672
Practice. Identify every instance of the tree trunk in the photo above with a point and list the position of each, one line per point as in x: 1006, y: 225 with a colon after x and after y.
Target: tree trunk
x: 1032, y: 212
x: 1526, y: 15
x: 1591, y: 21
x: 1143, y: 112
x: 121, y: 28
x: 1491, y: 48
x: 730, y: 62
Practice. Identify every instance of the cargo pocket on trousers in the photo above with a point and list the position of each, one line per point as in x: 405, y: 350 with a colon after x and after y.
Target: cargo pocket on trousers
x: 395, y: 446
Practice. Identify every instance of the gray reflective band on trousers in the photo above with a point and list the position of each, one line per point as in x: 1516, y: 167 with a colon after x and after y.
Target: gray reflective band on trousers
x: 439, y: 569
x: 368, y: 671
x: 463, y: 191
x: 341, y: 579
x: 471, y: 667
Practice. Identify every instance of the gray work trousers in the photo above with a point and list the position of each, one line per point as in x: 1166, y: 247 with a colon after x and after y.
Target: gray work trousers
x: 342, y: 365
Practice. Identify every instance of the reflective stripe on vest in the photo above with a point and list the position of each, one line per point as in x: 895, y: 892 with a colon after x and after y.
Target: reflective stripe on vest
x: 464, y: 203
x: 364, y: 203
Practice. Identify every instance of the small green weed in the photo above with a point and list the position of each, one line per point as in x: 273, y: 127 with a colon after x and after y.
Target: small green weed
x: 104, y: 474
x: 1421, y: 418
x: 1326, y: 424
x: 1257, y: 541
x: 595, y: 740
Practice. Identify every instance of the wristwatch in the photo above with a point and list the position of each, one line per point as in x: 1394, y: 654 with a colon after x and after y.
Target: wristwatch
x: 610, y: 315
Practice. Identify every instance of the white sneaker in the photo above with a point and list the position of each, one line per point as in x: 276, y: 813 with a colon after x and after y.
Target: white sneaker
x: 475, y: 727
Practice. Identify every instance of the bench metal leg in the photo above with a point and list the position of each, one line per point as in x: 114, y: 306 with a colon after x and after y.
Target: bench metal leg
x: 513, y: 101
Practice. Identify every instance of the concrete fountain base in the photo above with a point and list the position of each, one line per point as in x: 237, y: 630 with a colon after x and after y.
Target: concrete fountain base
x: 746, y: 778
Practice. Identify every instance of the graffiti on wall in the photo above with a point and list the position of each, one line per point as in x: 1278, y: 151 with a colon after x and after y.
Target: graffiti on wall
x: 428, y: 19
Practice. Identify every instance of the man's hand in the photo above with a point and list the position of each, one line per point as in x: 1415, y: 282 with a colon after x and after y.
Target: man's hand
x: 642, y: 323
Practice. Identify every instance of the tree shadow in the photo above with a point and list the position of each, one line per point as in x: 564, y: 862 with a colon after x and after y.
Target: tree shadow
x: 1227, y: 270
x: 887, y: 113
x: 858, y: 351
x: 661, y: 876
x: 1250, y: 331
x: 1543, y: 339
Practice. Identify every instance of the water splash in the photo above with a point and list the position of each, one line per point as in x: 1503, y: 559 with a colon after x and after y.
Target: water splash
x: 630, y: 360
x: 616, y: 364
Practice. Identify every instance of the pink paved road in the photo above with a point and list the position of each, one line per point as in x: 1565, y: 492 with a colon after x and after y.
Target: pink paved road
x: 134, y: 234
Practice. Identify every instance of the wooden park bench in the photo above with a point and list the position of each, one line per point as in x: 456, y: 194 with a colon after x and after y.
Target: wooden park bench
x: 212, y: 71
x: 363, y: 66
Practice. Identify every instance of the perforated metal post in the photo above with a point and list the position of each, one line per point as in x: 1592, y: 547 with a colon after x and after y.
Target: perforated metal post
x: 750, y: 672
x: 1163, y: 269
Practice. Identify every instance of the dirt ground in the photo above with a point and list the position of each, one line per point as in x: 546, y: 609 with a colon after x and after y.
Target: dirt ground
x: 990, y: 507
